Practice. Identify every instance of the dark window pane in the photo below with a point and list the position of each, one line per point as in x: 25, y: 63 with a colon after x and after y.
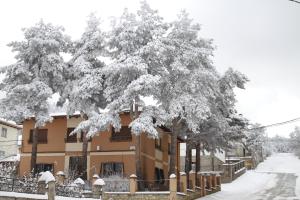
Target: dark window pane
x: 42, y: 136
x: 42, y: 167
x: 71, y: 138
x: 112, y: 168
x: 123, y: 135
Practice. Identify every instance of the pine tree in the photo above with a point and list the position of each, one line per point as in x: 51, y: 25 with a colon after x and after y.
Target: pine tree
x: 35, y: 77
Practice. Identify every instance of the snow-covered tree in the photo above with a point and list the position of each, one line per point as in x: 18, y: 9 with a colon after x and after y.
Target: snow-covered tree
x: 295, y: 141
x: 83, y: 90
x: 35, y: 77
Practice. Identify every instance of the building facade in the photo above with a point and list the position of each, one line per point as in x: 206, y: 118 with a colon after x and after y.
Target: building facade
x: 9, y: 138
x: 109, y: 152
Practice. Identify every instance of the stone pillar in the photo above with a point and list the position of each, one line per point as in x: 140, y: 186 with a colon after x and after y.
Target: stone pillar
x: 213, y: 180
x: 97, y: 188
x: 218, y: 181
x: 60, y: 177
x: 192, y: 179
x: 182, y: 181
x: 203, y: 184
x: 132, y: 184
x: 173, y: 187
x: 41, y: 187
x: 94, y: 178
x: 208, y: 181
x: 51, y: 190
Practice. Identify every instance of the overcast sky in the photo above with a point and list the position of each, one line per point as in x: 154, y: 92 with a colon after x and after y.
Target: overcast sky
x: 260, y: 38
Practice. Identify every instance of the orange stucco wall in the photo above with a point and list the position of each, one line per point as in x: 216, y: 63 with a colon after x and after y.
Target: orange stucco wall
x: 102, y: 149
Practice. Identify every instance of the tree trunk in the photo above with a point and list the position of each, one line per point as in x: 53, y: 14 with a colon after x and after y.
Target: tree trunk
x: 138, y: 164
x: 212, y: 155
x: 84, y: 155
x: 198, y: 159
x: 34, y: 150
x: 188, y: 161
x: 198, y: 162
x: 84, y: 152
x: 174, y: 134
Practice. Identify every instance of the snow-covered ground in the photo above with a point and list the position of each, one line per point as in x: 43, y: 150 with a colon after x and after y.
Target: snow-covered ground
x: 277, y: 178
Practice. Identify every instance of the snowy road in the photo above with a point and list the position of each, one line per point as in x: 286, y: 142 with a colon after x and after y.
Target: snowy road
x: 275, y: 179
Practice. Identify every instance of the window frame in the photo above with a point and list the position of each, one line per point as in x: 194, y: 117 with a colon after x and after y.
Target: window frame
x: 124, y: 135
x: 114, y: 163
x: 40, y: 141
x: 4, y: 132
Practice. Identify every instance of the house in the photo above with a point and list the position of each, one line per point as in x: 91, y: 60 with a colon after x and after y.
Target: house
x: 206, y: 159
x: 9, y: 138
x: 109, y: 152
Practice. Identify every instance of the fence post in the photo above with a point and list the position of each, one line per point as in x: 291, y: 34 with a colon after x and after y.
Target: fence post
x: 203, y: 184
x: 192, y: 180
x: 218, y: 181
x: 41, y: 187
x: 182, y: 181
x: 213, y: 181
x: 60, y: 177
x: 132, y: 184
x: 51, y: 190
x: 97, y: 188
x: 173, y: 187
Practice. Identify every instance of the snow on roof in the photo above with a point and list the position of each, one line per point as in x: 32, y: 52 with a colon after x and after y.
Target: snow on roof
x: 47, y: 177
x: 99, y: 181
x: 12, y: 158
x: 10, y: 123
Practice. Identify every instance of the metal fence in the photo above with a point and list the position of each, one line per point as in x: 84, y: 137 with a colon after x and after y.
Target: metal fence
x: 153, y: 185
x: 21, y: 185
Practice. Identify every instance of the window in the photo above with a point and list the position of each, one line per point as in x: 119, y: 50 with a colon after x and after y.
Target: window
x: 2, y: 153
x: 159, y: 175
x: 4, y: 132
x: 76, y: 165
x: 158, y: 143
x: 123, y: 135
x: 71, y: 138
x: 42, y: 136
x: 42, y: 167
x: 169, y: 148
x: 112, y: 168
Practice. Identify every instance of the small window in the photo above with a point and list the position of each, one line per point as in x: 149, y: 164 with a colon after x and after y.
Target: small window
x: 169, y: 148
x: 112, y: 168
x: 42, y: 136
x: 4, y: 132
x: 42, y: 167
x: 158, y: 143
x: 159, y: 175
x: 71, y: 138
x: 123, y: 135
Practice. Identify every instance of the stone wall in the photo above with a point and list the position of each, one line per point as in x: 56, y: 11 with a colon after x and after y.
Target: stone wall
x: 136, y: 196
x: 17, y: 198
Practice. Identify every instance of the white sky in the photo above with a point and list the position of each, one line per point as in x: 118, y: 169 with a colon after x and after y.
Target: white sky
x: 261, y: 38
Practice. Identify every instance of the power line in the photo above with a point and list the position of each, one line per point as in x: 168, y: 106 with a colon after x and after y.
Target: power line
x: 276, y: 124
x: 295, y: 1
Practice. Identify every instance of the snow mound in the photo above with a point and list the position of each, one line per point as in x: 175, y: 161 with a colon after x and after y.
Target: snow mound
x: 96, y: 176
x: 79, y: 181
x: 47, y: 177
x: 60, y: 173
x: 99, y: 182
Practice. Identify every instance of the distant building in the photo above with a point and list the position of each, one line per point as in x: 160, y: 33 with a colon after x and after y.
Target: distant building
x: 9, y: 139
x: 206, y: 160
